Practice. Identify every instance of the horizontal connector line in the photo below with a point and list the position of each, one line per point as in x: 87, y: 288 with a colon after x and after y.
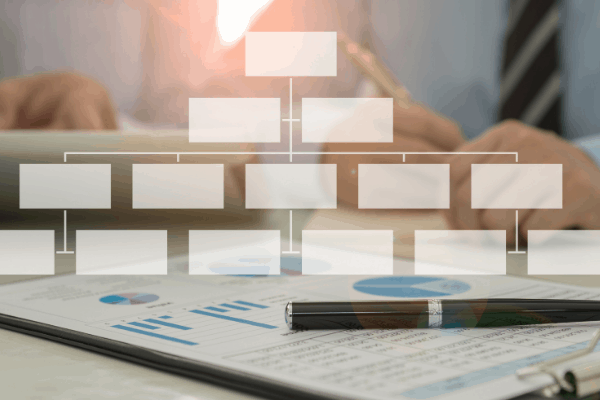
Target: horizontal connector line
x: 517, y: 252
x: 290, y: 252
x: 514, y: 153
x: 65, y: 252
x: 165, y: 153
x: 279, y: 153
x: 293, y: 120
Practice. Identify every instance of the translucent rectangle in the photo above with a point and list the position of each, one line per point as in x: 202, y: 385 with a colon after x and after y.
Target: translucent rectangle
x: 516, y: 186
x: 291, y: 186
x: 466, y: 252
x: 26, y: 252
x: 341, y: 120
x: 404, y: 186
x: 64, y: 186
x: 235, y: 120
x: 121, y: 252
x: 178, y: 186
x: 291, y: 54
x: 347, y: 252
x: 235, y: 252
x: 563, y: 252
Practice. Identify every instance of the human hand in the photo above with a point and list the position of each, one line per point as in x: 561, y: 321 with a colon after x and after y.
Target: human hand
x: 416, y: 129
x: 581, y: 181
x: 55, y: 101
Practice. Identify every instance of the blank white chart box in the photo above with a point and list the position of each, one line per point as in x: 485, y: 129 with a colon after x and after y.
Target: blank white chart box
x: 178, y: 186
x: 563, y: 252
x: 64, y: 186
x: 404, y: 186
x: 342, y: 120
x: 235, y: 120
x: 347, y: 252
x: 121, y: 252
x: 460, y: 252
x: 26, y: 252
x: 291, y: 54
x: 291, y: 186
x: 516, y: 186
x: 235, y: 252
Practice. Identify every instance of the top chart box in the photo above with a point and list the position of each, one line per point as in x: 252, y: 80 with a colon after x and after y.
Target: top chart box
x: 291, y: 54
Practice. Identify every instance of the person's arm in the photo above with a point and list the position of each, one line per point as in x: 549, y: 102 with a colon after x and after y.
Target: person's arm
x: 60, y: 100
x: 580, y: 181
x: 591, y: 146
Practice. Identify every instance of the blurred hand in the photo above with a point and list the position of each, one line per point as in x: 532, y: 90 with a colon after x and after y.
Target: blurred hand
x: 581, y: 181
x: 55, y: 101
x: 416, y: 129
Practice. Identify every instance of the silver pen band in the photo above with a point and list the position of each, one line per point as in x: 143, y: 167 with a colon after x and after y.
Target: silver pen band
x: 288, y: 314
x: 435, y: 313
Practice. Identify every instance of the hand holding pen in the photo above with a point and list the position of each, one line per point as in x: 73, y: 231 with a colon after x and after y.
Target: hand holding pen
x: 417, y: 128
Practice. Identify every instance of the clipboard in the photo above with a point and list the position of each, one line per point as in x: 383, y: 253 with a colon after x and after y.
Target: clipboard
x: 573, y: 375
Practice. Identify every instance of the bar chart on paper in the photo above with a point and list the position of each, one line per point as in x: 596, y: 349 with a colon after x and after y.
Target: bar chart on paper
x: 208, y: 325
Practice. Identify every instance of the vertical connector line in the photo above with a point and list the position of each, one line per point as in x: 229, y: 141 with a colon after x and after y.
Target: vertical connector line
x: 516, y: 230
x: 291, y: 230
x: 291, y: 118
x: 64, y: 251
x: 517, y: 235
x: 291, y: 251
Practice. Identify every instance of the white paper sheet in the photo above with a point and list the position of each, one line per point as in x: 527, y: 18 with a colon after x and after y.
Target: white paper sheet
x: 238, y: 323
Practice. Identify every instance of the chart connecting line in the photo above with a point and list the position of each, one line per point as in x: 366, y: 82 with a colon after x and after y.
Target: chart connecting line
x: 64, y: 251
x: 291, y: 250
x: 517, y: 251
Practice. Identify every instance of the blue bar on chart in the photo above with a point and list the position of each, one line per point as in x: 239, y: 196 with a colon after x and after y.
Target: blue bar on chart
x: 155, y: 335
x: 139, y: 324
x: 216, y: 309
x: 235, y: 307
x: 233, y: 319
x: 165, y: 317
x: 167, y: 324
x: 247, y: 303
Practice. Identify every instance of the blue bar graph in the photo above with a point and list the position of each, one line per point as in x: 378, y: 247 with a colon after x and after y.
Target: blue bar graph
x: 216, y: 309
x: 247, y: 303
x: 228, y: 318
x: 235, y: 307
x: 143, y: 325
x: 165, y: 317
x: 155, y: 335
x: 168, y: 324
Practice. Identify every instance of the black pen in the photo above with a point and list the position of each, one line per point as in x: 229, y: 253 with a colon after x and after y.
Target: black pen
x: 435, y: 313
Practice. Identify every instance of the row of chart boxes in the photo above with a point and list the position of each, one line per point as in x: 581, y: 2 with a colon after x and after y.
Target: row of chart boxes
x: 324, y: 252
x: 258, y: 120
x: 290, y: 186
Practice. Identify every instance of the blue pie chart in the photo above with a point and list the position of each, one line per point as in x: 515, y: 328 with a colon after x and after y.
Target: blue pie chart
x: 411, y: 286
x: 129, y: 299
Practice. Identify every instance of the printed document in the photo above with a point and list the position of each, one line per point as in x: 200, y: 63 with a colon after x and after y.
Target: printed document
x: 237, y: 324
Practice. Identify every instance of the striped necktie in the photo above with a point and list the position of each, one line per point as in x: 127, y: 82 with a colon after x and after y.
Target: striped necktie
x: 530, y: 77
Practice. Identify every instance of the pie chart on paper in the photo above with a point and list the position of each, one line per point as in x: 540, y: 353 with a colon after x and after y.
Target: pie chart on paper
x: 411, y: 286
x: 129, y: 299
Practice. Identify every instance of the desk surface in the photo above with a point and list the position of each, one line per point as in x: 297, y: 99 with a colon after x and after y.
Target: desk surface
x: 37, y: 368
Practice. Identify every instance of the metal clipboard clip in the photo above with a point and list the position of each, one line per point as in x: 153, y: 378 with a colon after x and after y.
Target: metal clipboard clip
x: 574, y: 381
